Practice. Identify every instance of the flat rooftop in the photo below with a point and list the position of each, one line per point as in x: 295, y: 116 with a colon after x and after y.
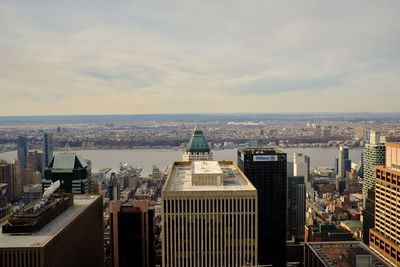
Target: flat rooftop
x: 206, y: 167
x: 331, y: 253
x: 40, y: 238
x: 180, y: 177
x: 260, y: 150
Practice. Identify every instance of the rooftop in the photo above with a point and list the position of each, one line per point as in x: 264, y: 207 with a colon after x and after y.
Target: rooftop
x: 206, y: 167
x: 336, y: 253
x: 353, y: 225
x: 67, y: 161
x: 261, y: 150
x: 44, y: 235
x: 180, y: 177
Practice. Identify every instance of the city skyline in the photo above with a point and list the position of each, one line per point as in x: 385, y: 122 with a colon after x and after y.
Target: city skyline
x: 136, y: 57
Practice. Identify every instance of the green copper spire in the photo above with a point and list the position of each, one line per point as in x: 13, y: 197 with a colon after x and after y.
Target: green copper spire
x: 197, y: 142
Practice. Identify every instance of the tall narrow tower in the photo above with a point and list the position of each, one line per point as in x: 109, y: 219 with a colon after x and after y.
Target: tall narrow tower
x: 266, y: 170
x: 301, y: 165
x: 47, y: 149
x: 197, y: 148
x: 22, y: 151
x: 374, y: 155
x: 344, y: 163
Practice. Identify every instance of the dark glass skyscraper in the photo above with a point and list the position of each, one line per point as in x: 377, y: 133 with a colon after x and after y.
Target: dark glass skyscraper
x: 296, y: 195
x: 344, y: 163
x: 22, y: 151
x: 47, y: 149
x: 266, y: 170
x: 132, y: 236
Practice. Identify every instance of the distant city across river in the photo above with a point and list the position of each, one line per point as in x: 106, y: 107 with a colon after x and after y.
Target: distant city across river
x: 146, y: 158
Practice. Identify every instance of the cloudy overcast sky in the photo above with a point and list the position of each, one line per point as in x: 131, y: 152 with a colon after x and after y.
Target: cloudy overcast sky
x: 130, y: 57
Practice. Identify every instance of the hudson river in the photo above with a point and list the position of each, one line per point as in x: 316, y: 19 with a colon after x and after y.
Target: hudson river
x: 146, y: 158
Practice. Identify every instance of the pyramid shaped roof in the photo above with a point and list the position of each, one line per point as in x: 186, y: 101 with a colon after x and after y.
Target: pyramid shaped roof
x: 198, y: 142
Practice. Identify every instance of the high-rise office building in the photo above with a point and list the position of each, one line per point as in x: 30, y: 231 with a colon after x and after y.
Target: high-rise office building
x: 10, y: 174
x: 296, y: 210
x: 22, y: 149
x: 301, y: 165
x: 266, y: 170
x: 47, y: 149
x: 71, y: 169
x: 385, y: 237
x: 132, y: 234
x: 344, y: 163
x: 197, y: 148
x: 35, y: 161
x: 209, y: 216
x: 374, y: 155
x: 368, y: 214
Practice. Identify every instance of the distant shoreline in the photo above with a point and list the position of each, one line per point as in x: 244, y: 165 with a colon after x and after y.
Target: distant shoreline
x: 169, y: 148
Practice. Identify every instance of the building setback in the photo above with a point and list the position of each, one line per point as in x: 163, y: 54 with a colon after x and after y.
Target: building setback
x: 209, y: 216
x: 266, y: 170
x: 73, y: 238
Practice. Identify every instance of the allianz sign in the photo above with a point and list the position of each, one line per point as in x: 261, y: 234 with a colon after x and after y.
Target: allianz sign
x: 265, y: 158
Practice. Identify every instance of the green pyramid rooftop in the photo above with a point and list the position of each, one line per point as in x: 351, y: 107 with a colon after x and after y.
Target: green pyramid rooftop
x: 197, y: 142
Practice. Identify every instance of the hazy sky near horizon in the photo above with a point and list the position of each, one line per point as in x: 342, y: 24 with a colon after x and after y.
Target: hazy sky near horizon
x: 132, y: 57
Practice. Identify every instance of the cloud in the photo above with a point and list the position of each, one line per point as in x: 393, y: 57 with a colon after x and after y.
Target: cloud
x: 95, y: 57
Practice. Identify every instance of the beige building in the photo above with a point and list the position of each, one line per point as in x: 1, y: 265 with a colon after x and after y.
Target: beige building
x: 209, y: 216
x: 385, y: 237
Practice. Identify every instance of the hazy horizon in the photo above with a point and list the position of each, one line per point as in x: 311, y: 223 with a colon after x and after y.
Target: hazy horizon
x: 139, y: 57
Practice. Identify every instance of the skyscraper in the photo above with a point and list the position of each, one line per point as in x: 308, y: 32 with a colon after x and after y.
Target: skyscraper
x: 47, y: 149
x: 301, y: 165
x: 197, y: 148
x: 385, y: 237
x: 266, y: 170
x: 132, y: 234
x: 374, y: 155
x: 209, y: 216
x: 22, y: 148
x: 11, y: 175
x: 344, y: 163
x: 296, y: 207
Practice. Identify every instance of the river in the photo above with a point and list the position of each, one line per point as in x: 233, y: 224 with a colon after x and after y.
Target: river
x: 146, y: 158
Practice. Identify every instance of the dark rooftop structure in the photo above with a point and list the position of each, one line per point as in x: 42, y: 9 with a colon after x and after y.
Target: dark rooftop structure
x: 72, y: 171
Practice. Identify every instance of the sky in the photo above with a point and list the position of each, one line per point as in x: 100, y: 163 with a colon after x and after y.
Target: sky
x: 220, y: 56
